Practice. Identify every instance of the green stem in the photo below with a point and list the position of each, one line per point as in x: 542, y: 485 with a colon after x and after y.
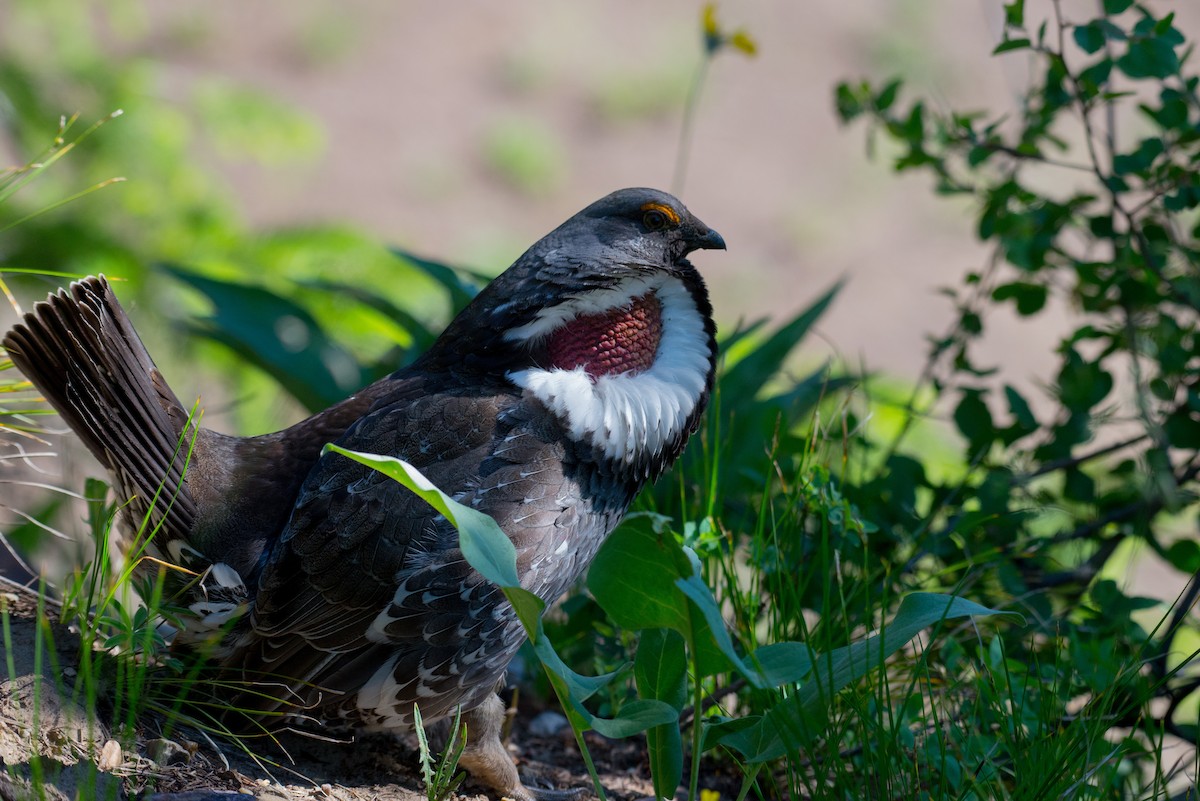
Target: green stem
x: 748, y: 782
x: 587, y: 757
x: 685, y: 133
x: 697, y: 701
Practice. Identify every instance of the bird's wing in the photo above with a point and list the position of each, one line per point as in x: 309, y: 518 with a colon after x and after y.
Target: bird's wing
x: 365, y: 565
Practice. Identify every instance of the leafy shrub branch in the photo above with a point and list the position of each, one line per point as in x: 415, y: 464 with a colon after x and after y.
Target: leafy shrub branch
x: 1088, y: 198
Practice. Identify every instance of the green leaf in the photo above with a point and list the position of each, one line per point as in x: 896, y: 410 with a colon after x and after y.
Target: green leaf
x: 1082, y: 384
x: 633, y: 579
x: 1140, y: 159
x: 636, y: 717
x: 887, y: 96
x: 1149, y: 58
x: 660, y: 667
x: 660, y: 670
x: 1114, y: 7
x: 1090, y: 37
x: 1019, y: 408
x: 1028, y: 298
x: 1008, y: 45
x: 767, y: 358
x: 278, y: 336
x: 1078, y: 486
x: 1184, y: 555
x: 575, y: 686
x: 462, y: 285
x: 423, y: 337
x: 1166, y: 30
x: 1183, y: 430
x: 1014, y: 14
x: 783, y: 662
x: 974, y: 420
x: 572, y: 689
x: 847, y: 102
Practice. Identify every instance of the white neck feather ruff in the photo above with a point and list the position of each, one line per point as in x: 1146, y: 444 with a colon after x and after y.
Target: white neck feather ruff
x: 626, y: 415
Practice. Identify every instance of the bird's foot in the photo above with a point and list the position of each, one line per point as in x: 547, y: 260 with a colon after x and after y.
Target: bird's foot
x: 488, y: 762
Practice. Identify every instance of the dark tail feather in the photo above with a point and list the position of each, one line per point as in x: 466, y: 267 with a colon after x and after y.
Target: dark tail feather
x: 80, y: 350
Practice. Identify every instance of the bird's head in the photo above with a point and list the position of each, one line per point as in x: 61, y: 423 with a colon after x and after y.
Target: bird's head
x: 606, y: 321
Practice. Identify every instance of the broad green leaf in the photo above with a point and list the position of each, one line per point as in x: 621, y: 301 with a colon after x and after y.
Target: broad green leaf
x: 887, y: 96
x: 783, y: 662
x: 1184, y: 555
x: 660, y: 671
x: 635, y: 578
x: 660, y: 667
x: 578, y: 686
x: 422, y: 336
x: 1082, y: 383
x: 765, y: 360
x: 636, y: 717
x: 461, y: 290
x: 278, y: 336
x: 714, y: 627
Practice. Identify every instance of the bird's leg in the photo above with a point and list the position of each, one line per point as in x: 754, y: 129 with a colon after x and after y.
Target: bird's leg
x: 486, y: 759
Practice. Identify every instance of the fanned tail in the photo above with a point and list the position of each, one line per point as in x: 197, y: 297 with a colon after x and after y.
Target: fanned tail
x: 81, y: 352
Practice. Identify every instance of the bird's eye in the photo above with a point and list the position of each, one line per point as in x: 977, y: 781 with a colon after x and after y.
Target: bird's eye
x: 654, y: 220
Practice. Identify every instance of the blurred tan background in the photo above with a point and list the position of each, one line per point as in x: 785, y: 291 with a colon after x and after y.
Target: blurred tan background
x: 466, y: 130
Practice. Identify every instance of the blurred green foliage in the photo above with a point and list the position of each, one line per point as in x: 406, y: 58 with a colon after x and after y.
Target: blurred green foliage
x: 71, y: 57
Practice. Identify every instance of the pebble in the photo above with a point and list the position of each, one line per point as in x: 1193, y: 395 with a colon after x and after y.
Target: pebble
x: 167, y: 752
x: 548, y: 724
x: 111, y: 757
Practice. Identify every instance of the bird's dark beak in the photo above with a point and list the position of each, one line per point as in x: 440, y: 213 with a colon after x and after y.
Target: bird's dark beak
x: 699, y: 236
x: 710, y: 240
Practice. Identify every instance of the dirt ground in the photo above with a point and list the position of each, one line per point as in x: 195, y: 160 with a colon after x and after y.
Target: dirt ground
x: 190, y: 766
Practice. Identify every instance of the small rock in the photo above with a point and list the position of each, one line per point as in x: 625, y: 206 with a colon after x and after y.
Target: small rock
x: 548, y: 724
x: 167, y: 752
x: 111, y: 757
